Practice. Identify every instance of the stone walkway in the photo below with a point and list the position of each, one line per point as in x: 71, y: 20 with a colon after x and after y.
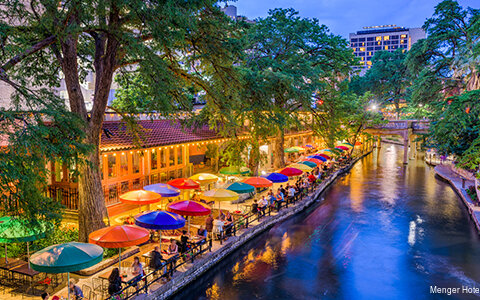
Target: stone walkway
x: 456, y: 181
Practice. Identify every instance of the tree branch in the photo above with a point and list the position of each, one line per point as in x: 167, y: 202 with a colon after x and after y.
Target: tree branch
x: 35, y: 48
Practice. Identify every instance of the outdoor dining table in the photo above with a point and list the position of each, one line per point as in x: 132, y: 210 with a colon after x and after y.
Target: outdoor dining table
x: 25, y: 271
x: 12, y: 262
x: 126, y: 275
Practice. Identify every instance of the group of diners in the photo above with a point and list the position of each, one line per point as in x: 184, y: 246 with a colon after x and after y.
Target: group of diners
x: 219, y: 227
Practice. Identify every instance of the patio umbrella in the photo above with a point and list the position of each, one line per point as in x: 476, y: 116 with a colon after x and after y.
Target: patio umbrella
x: 189, y: 208
x: 184, y: 184
x: 302, y: 167
x: 318, y: 156
x: 204, y: 178
x: 140, y: 197
x: 309, y: 146
x: 219, y: 195
x: 240, y: 187
x: 291, y: 172
x: 15, y: 230
x: 159, y: 220
x: 326, y: 156
x: 234, y: 170
x: 309, y: 163
x: 347, y: 144
x: 343, y: 147
x: 358, y: 143
x: 314, y: 160
x: 299, y: 148
x: 341, y: 150
x: 277, y: 177
x: 119, y: 236
x: 258, y: 182
x: 163, y: 189
x: 66, y: 258
x: 291, y: 150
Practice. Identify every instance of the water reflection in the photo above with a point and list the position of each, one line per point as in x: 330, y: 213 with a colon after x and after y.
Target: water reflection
x: 384, y: 231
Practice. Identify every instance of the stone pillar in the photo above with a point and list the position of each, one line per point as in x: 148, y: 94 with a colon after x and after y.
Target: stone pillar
x: 405, y: 150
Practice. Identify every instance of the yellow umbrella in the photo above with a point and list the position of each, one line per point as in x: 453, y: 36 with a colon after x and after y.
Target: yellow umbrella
x: 219, y: 195
x: 302, y: 167
x: 204, y: 178
x: 298, y: 148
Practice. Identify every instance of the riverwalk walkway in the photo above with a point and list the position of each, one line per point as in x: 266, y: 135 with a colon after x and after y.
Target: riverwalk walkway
x: 460, y: 185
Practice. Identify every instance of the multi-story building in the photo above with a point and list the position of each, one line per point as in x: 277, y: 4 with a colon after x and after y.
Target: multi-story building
x: 382, y: 38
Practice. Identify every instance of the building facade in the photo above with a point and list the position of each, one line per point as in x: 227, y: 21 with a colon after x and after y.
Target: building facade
x: 382, y: 38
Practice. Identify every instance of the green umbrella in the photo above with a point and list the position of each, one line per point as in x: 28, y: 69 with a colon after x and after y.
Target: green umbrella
x: 309, y: 163
x: 66, y: 258
x: 291, y: 150
x: 234, y: 170
x: 15, y: 230
x: 348, y: 144
x: 240, y: 187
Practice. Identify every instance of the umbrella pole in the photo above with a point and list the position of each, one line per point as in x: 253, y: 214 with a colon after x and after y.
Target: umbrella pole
x: 28, y: 256
x: 119, y: 259
x: 68, y: 285
x: 188, y: 218
x: 160, y: 240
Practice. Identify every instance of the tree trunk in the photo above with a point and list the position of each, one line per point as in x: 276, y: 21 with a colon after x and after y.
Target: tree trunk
x: 92, y: 208
x: 278, y: 151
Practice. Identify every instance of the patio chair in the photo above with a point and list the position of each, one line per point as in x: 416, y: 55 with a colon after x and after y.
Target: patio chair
x: 92, y: 296
x: 99, y: 285
x: 87, y: 290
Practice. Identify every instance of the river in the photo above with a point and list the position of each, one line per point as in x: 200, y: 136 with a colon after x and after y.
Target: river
x: 384, y: 231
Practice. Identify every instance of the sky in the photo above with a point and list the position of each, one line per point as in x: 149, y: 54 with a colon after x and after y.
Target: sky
x: 346, y: 16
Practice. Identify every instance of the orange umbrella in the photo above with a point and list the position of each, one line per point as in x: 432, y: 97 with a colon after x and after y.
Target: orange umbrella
x: 140, y: 197
x: 119, y: 236
x: 258, y: 182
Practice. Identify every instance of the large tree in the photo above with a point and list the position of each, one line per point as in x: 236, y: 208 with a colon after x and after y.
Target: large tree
x: 170, y: 44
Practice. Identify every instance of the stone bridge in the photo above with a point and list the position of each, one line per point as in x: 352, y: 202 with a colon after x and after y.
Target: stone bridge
x: 407, y: 129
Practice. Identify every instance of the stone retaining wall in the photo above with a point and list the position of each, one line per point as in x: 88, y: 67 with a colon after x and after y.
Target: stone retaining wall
x: 202, y: 265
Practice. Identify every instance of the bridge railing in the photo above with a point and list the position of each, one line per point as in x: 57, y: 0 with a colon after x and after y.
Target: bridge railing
x: 421, y: 125
x: 391, y: 125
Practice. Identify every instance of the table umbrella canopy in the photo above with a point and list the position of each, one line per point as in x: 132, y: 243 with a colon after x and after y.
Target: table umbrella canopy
x: 234, y: 170
x: 219, y: 195
x: 68, y: 257
x: 291, y: 150
x: 140, y: 197
x: 258, y: 182
x: 314, y: 160
x: 159, y: 220
x: 163, y: 189
x: 15, y: 230
x: 309, y: 146
x: 325, y: 156
x: 204, y: 178
x: 240, y: 187
x: 309, y: 163
x: 318, y: 157
x: 340, y: 149
x: 348, y: 144
x: 302, y: 167
x: 343, y: 147
x: 184, y: 184
x: 277, y: 177
x: 189, y: 208
x: 291, y: 172
x: 119, y: 236
x: 299, y: 148
x: 358, y: 143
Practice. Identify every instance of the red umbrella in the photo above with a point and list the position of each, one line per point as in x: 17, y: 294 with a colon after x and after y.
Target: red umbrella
x: 184, y: 184
x: 291, y: 172
x: 342, y: 147
x: 314, y: 160
x: 258, y: 182
x: 323, y: 155
x: 189, y: 208
x: 140, y: 197
x: 119, y: 236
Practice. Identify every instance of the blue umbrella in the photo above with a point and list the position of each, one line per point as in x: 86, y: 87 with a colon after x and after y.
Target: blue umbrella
x: 159, y: 220
x: 163, y: 189
x: 317, y: 157
x: 277, y: 177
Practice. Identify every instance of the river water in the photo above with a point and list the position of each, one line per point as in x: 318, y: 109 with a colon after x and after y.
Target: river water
x: 384, y: 231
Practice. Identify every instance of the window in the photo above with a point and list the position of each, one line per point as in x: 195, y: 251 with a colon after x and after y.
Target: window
x: 378, y: 38
x: 369, y: 63
x: 370, y: 49
x: 123, y: 164
x: 370, y: 53
x: 100, y: 166
x: 403, y: 36
x: 386, y: 38
x: 362, y: 49
x: 361, y: 39
x: 386, y: 43
x: 393, y: 47
x: 386, y: 47
x: 361, y: 54
x: 363, y: 44
x: 154, y: 159
x: 362, y: 58
x: 171, y: 157
x: 402, y: 41
x: 163, y: 158
x: 370, y: 43
x: 180, y: 155
x: 58, y: 171
x: 112, y: 165
x: 354, y: 40
x: 369, y: 58
x: 378, y: 48
x: 135, y: 162
x: 379, y: 43
x: 394, y: 37
x: 369, y: 39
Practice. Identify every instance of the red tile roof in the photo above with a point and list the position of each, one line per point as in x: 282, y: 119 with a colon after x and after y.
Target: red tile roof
x: 156, y: 133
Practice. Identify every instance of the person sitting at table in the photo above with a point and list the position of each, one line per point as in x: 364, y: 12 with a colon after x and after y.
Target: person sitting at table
x: 291, y: 191
x: 218, y: 227
x: 114, y: 282
x: 184, y: 242
x: 155, y: 259
x: 271, y: 198
x: 202, y: 232
x: 262, y: 205
x: 209, y: 224
x: 229, y: 223
x: 173, y: 247
x: 221, y: 215
x: 255, y: 207
x: 75, y: 291
x: 279, y: 199
x: 137, y: 271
